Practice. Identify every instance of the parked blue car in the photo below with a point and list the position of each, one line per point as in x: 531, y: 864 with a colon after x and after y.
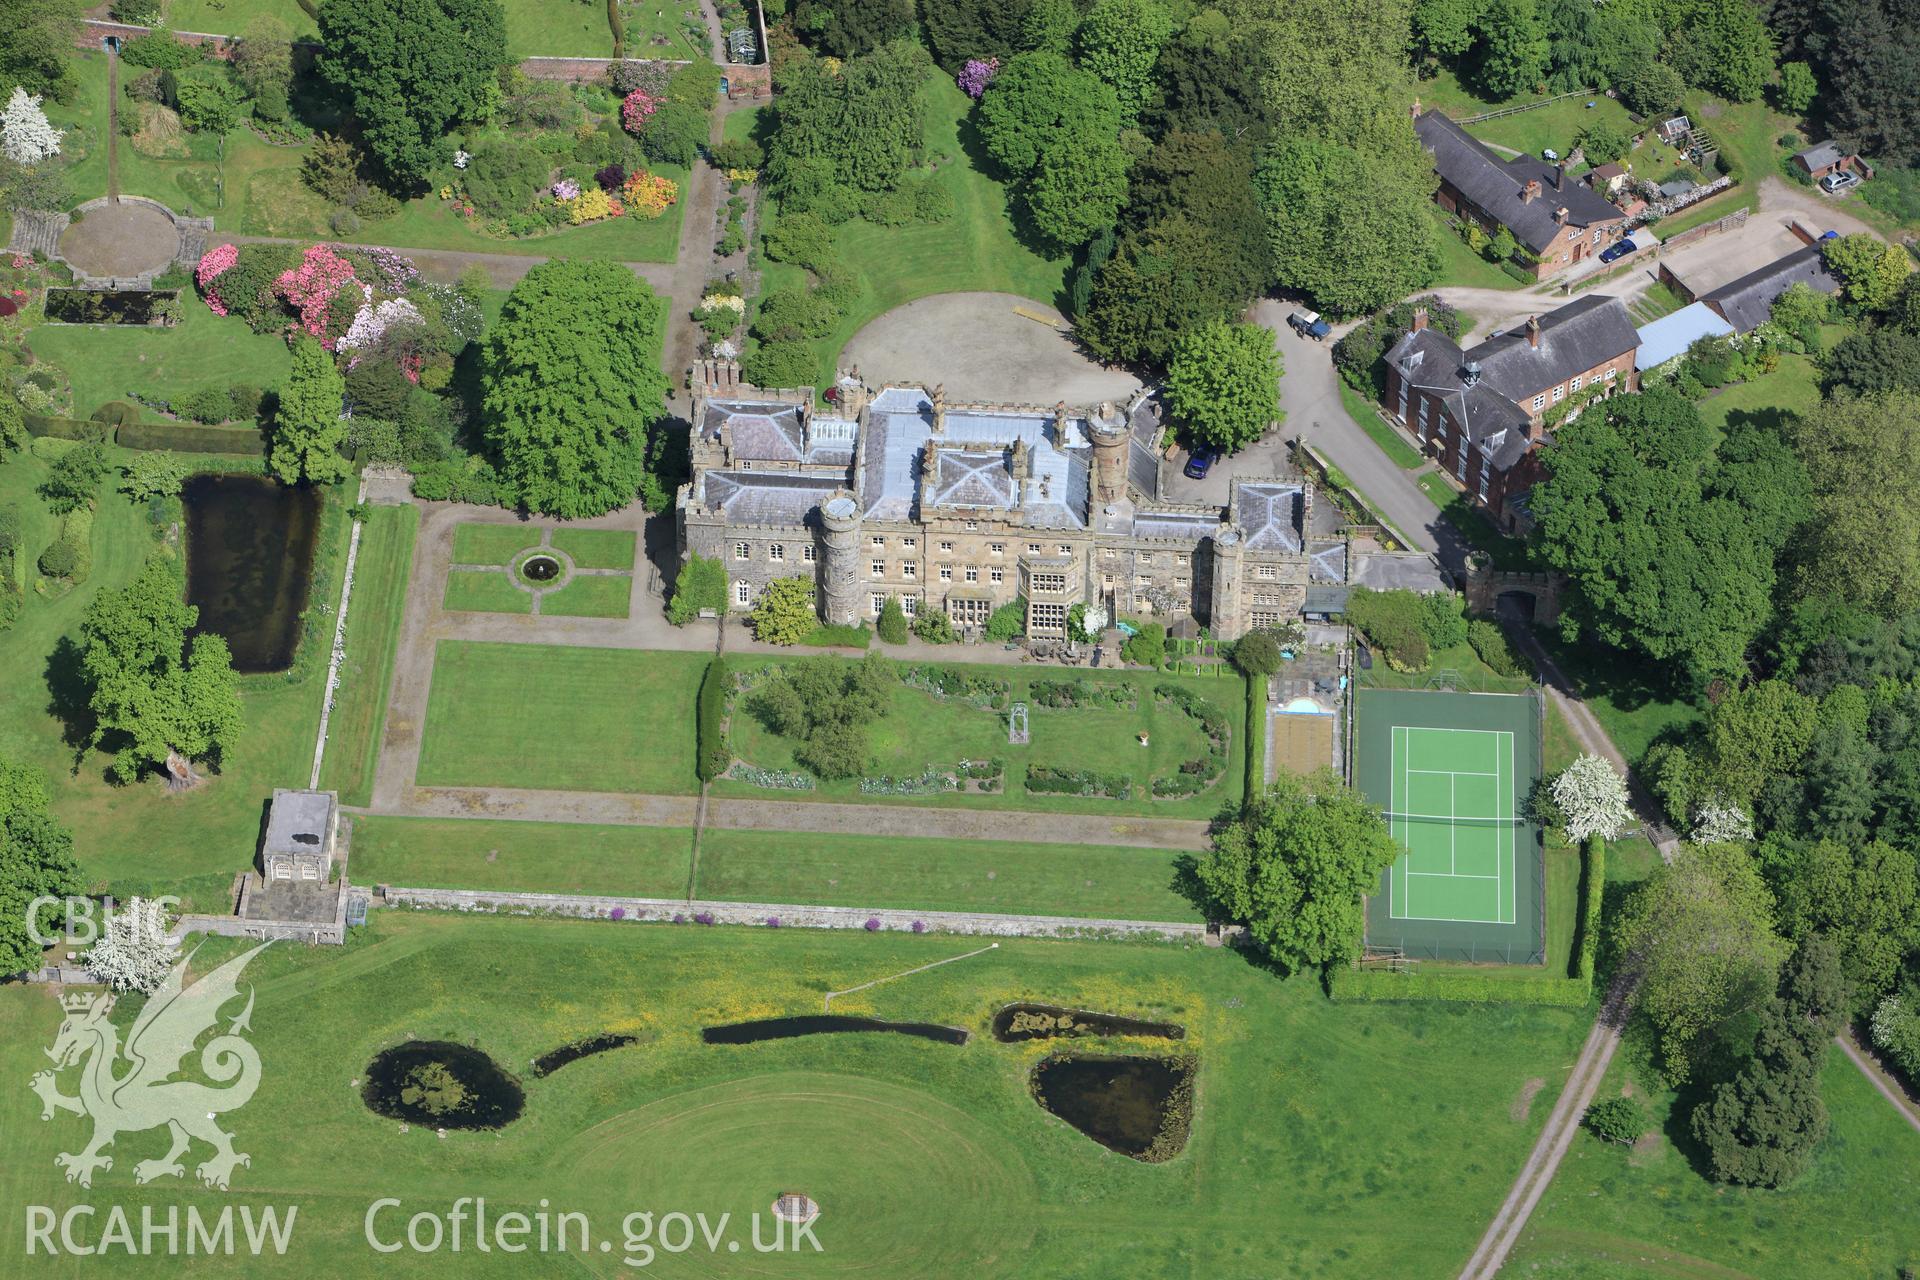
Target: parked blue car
x: 1618, y: 251
x: 1201, y: 461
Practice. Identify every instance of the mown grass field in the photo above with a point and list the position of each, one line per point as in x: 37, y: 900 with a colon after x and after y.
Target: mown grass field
x: 477, y: 542
x: 598, y: 596
x: 140, y: 838
x: 535, y: 857
x: 564, y: 717
x: 922, y: 731
x: 596, y: 548
x: 108, y: 362
x: 484, y: 591
x: 373, y: 634
x: 1329, y: 1141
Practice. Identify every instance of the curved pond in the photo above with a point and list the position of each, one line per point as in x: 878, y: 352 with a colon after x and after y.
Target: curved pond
x: 1027, y: 1021
x: 825, y: 1024
x: 442, y: 1085
x: 548, y: 1063
x: 540, y: 568
x: 1140, y: 1107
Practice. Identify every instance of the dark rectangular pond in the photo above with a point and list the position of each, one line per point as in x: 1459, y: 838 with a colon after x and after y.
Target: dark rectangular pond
x: 250, y: 545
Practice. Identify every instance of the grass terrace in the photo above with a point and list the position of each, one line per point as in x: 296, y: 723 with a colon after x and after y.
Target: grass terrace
x: 373, y: 635
x: 107, y: 362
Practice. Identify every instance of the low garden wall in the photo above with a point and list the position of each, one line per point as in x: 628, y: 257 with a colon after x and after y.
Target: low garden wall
x: 776, y: 915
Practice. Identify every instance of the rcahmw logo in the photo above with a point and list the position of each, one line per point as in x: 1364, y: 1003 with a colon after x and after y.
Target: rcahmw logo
x: 164, y: 1232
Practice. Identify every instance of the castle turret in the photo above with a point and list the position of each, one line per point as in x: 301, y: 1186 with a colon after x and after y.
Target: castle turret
x: 1224, y: 612
x: 840, y: 523
x: 1107, y: 428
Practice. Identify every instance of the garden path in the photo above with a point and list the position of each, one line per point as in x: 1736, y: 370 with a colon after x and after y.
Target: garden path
x: 504, y: 270
x: 425, y: 623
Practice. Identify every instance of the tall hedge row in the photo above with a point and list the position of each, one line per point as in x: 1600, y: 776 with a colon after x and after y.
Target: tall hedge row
x: 714, y: 756
x: 1593, y: 886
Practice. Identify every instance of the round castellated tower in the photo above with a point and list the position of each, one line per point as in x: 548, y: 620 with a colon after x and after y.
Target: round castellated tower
x: 840, y: 518
x: 1107, y: 429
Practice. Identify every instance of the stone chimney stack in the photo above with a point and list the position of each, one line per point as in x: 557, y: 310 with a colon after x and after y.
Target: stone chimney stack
x: 1559, y: 175
x: 1059, y: 419
x: 1419, y: 319
x: 1533, y: 332
x: 1019, y: 466
x: 853, y: 395
x: 940, y: 408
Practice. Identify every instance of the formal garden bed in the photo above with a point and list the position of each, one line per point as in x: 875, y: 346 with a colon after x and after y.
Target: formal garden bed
x: 939, y: 733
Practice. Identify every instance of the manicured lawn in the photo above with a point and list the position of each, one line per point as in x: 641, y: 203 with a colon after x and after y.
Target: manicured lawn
x: 230, y: 17
x: 559, y: 28
x: 1554, y: 125
x: 1461, y: 265
x: 1791, y: 389
x: 1845, y: 1217
x: 664, y: 29
x: 921, y: 731
x: 478, y: 543
x: 429, y: 223
x: 373, y: 632
x: 484, y: 591
x: 535, y: 857
x: 976, y: 249
x: 598, y: 596
x: 941, y: 875
x: 1392, y: 1131
x: 1391, y: 442
x: 562, y: 717
x: 139, y: 838
x: 108, y: 362
x: 597, y: 548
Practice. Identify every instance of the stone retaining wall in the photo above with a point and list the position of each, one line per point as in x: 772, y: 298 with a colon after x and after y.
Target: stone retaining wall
x: 669, y: 910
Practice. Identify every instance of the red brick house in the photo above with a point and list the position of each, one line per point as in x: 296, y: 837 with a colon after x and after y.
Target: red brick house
x: 1482, y: 413
x: 1557, y: 221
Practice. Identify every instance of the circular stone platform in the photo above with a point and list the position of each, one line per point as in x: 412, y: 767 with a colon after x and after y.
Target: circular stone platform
x: 982, y: 349
x: 131, y: 238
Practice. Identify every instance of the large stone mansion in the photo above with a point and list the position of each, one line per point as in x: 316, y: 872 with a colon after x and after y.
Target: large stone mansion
x: 966, y: 507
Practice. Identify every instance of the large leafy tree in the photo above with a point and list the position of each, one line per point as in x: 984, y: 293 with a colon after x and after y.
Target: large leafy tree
x: 961, y: 29
x: 1208, y: 78
x: 1513, y: 48
x: 571, y: 388
x: 1293, y: 869
x: 1864, y: 897
x: 308, y: 430
x: 1862, y: 544
x: 864, y: 125
x: 1882, y: 358
x: 1698, y: 935
x: 1223, y: 382
x: 410, y: 71
x: 1038, y: 100
x: 36, y: 860
x: 1672, y: 548
x: 1870, y: 68
x: 1443, y: 29
x: 1721, y: 45
x: 784, y: 613
x: 845, y: 30
x: 36, y: 46
x: 158, y: 699
x: 1335, y: 70
x: 1076, y: 192
x: 1119, y: 41
x: 1351, y: 230
x: 1871, y: 271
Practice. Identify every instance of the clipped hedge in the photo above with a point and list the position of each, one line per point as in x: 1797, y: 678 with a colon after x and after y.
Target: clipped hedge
x: 1593, y: 888
x: 1461, y: 988
x: 714, y: 756
x: 1256, y: 780
x: 187, y: 437
x: 66, y: 428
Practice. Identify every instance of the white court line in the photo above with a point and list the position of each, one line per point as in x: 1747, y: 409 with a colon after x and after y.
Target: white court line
x: 1451, y: 875
x: 1454, y: 773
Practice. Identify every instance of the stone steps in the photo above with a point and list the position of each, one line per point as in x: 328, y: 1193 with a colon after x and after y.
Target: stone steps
x: 37, y: 231
x: 194, y: 234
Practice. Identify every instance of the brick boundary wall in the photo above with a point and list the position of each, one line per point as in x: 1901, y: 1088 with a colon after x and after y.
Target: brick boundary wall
x: 665, y: 910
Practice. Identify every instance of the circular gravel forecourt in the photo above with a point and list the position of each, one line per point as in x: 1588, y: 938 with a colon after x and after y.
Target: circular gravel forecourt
x: 982, y: 350
x: 126, y: 239
x: 907, y: 1184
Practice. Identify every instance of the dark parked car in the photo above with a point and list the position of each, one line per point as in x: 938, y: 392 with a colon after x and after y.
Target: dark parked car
x: 1308, y: 324
x: 1201, y: 461
x: 1618, y: 251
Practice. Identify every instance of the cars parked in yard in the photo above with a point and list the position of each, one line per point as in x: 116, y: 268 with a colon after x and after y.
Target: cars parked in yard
x: 1619, y: 250
x: 1839, y: 181
x: 1201, y: 461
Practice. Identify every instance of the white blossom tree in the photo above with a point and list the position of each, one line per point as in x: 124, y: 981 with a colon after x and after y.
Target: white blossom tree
x: 25, y: 134
x: 1593, y: 795
x: 134, y: 952
x: 1721, y: 821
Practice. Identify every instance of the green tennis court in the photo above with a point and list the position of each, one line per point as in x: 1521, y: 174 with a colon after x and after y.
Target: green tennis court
x: 1452, y: 809
x: 1451, y: 772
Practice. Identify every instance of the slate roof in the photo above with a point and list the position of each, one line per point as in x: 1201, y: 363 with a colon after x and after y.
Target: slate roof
x: 1498, y: 186
x: 766, y: 497
x: 1513, y: 370
x: 1328, y: 561
x: 1820, y: 155
x: 1747, y: 302
x: 1271, y: 515
x: 773, y: 431
x: 1179, y: 526
x: 971, y: 480
x: 899, y: 424
x: 1387, y: 571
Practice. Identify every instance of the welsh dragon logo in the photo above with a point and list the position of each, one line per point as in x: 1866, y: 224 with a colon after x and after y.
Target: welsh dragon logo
x: 130, y: 1090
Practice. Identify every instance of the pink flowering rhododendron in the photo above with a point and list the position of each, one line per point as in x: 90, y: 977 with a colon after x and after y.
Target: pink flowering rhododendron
x: 214, y: 261
x: 977, y: 75
x: 565, y: 189
x: 635, y: 108
x: 311, y: 287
